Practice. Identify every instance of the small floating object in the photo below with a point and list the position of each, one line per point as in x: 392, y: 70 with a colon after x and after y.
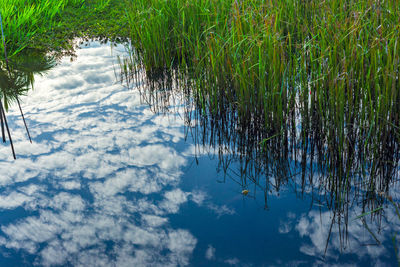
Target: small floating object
x: 245, y: 192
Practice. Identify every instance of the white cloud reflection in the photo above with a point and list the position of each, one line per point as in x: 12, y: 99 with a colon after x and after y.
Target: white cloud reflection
x: 93, y: 144
x: 210, y: 253
x: 325, y: 240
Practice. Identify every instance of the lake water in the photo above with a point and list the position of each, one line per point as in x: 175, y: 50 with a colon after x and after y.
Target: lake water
x: 108, y: 182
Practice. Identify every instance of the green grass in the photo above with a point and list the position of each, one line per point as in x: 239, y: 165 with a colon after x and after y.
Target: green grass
x: 51, y: 25
x: 23, y: 19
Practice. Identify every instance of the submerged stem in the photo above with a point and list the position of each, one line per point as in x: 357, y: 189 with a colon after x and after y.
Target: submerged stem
x: 3, y: 115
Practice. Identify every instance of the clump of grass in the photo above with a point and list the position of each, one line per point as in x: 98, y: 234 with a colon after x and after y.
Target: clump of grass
x: 331, y: 67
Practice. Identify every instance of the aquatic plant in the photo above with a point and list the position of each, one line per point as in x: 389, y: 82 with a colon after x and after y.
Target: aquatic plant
x: 301, y: 78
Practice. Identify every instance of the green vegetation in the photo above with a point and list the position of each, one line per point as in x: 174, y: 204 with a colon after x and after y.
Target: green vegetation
x: 331, y: 67
x: 52, y: 25
x: 23, y: 19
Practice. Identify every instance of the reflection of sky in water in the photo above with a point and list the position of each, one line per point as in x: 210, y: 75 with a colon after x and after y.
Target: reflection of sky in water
x: 107, y: 182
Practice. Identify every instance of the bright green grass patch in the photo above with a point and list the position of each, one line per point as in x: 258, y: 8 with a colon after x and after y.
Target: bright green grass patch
x: 96, y: 19
x: 51, y: 25
x: 23, y: 19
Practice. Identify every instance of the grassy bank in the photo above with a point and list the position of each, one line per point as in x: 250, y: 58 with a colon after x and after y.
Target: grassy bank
x: 23, y: 19
x: 51, y: 25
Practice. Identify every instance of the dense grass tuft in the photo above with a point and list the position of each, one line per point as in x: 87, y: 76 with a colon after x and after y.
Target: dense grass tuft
x: 315, y: 81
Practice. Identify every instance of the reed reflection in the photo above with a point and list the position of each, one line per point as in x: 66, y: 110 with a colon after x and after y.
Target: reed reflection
x: 344, y: 167
x: 16, y: 79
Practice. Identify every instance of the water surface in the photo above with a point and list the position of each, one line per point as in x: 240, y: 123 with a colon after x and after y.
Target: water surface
x: 109, y: 182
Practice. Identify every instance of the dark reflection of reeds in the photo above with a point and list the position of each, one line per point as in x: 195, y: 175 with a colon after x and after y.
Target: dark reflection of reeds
x: 343, y: 152
x: 16, y: 79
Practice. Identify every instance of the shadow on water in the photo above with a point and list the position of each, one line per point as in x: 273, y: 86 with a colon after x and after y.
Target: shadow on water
x: 16, y: 79
x: 341, y: 165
